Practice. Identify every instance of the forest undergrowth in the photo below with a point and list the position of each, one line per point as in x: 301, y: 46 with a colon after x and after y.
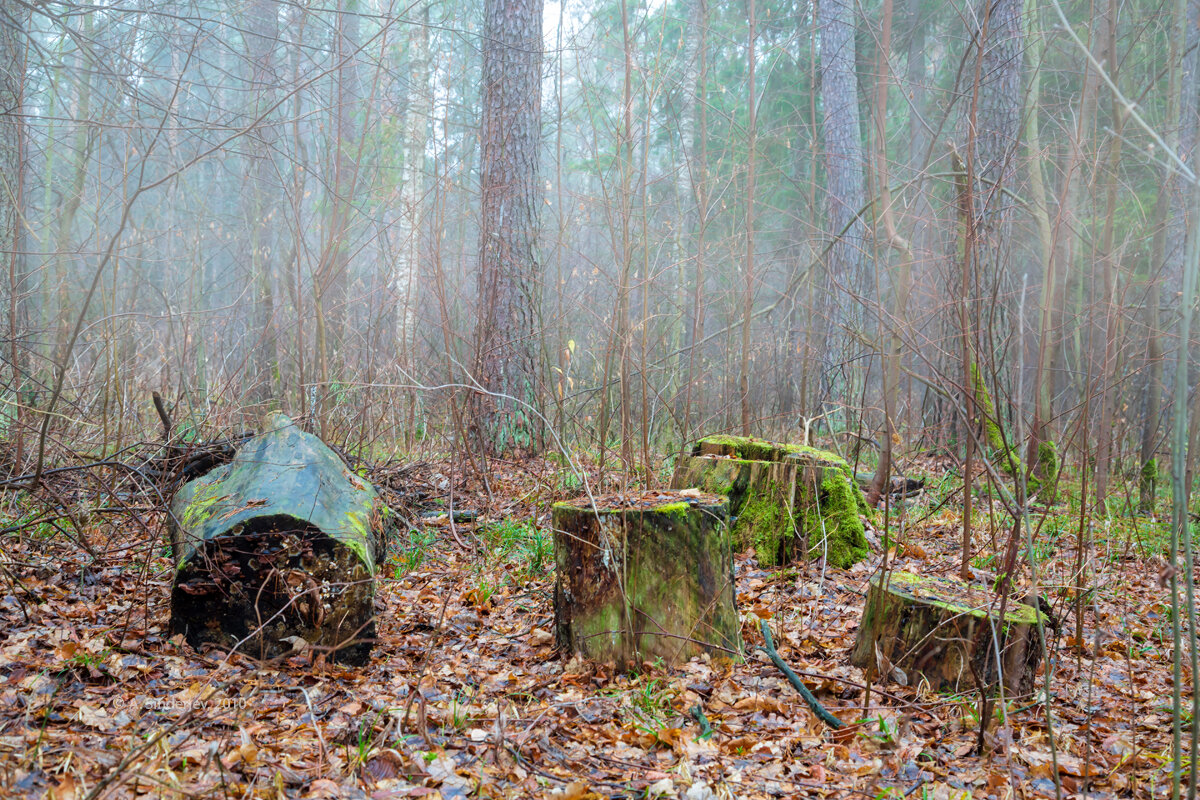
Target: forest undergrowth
x: 465, y: 695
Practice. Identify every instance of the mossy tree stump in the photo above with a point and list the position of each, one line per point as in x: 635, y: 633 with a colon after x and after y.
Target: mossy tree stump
x: 279, y: 543
x: 644, y: 575
x: 789, y: 501
x: 942, y: 630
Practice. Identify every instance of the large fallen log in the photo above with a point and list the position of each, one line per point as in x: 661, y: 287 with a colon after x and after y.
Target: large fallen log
x: 788, y: 501
x: 644, y: 575
x: 277, y: 550
x: 947, y: 633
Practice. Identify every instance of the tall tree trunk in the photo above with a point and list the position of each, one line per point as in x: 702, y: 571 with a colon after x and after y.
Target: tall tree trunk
x: 625, y: 287
x: 412, y: 185
x: 293, y: 263
x: 1166, y: 253
x: 1045, y: 235
x: 505, y: 355
x: 992, y: 128
x: 845, y: 264
x: 332, y: 277
x: 919, y: 218
x: 262, y: 32
x: 685, y: 211
x: 13, y: 18
x: 748, y: 291
x: 901, y: 275
x: 698, y: 170
x: 992, y: 125
x: 1112, y: 364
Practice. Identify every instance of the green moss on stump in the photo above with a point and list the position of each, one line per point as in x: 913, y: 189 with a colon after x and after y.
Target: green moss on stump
x: 644, y: 578
x: 939, y: 630
x: 790, y: 501
x: 836, y: 531
x: 766, y: 527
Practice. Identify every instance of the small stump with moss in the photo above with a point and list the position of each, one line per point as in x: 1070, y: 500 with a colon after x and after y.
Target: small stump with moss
x: 642, y: 576
x: 276, y: 550
x: 789, y: 501
x: 941, y: 630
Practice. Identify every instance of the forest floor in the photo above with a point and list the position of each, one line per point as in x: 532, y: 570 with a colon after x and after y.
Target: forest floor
x: 465, y: 695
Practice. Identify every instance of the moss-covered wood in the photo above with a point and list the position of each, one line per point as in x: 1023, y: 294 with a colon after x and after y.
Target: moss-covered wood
x: 644, y: 576
x: 788, y: 501
x: 1147, y: 486
x: 940, y: 630
x: 830, y: 508
x: 279, y: 543
x: 1044, y: 480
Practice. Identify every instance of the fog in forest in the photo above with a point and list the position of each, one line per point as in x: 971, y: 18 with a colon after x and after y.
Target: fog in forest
x: 336, y: 339
x: 866, y: 221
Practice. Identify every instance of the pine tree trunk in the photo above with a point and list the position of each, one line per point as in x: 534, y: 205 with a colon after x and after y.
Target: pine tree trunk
x: 842, y: 138
x: 505, y: 355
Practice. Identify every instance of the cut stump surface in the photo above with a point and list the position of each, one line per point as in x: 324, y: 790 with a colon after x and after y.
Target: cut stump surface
x: 788, y: 501
x: 644, y: 575
x: 940, y: 629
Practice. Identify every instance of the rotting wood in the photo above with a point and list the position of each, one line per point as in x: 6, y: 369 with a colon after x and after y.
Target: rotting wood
x: 281, y: 542
x: 937, y: 629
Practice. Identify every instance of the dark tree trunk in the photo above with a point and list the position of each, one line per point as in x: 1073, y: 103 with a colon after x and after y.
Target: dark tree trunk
x: 843, y: 148
x: 996, y: 123
x: 13, y: 17
x: 262, y: 32
x: 505, y: 354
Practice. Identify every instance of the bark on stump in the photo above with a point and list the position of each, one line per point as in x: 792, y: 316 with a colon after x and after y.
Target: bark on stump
x: 280, y: 542
x: 942, y: 630
x: 788, y: 501
x: 643, y: 576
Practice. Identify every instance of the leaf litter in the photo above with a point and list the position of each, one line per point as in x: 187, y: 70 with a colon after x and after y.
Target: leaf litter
x: 465, y: 695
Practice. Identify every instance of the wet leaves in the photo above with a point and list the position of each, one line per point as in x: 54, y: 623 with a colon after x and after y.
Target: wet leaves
x: 465, y: 696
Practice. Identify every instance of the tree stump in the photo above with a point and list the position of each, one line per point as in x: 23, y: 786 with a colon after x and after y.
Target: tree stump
x: 278, y: 543
x: 788, y: 501
x: 643, y: 576
x: 941, y: 630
